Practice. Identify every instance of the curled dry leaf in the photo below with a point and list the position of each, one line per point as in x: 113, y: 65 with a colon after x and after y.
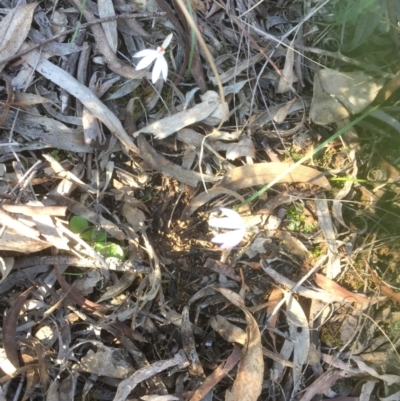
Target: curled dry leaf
x: 166, y: 167
x: 298, y: 330
x: 32, y: 378
x: 324, y: 383
x: 10, y: 329
x: 128, y: 385
x: 222, y: 268
x: 301, y: 290
x: 237, y: 69
x: 286, y: 81
x: 215, y: 377
x: 205, y: 197
x: 6, y: 265
x: 249, y: 378
x: 72, y: 293
x: 228, y: 331
x: 220, y: 114
x: 108, y: 362
x: 189, y: 346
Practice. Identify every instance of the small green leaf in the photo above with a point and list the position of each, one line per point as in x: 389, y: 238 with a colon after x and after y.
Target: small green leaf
x: 101, y: 237
x: 77, y: 224
x: 109, y: 249
x: 88, y: 235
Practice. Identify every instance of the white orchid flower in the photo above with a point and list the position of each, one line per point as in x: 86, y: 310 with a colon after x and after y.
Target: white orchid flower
x: 160, y: 66
x: 234, y: 222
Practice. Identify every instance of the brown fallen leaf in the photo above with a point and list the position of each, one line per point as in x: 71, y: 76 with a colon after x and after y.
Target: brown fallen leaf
x: 324, y: 383
x: 128, y: 385
x: 32, y: 378
x: 168, y: 125
x: 227, y: 330
x: 263, y: 173
x: 166, y: 167
x: 222, y: 268
x: 384, y: 288
x: 10, y: 329
x: 274, y: 298
x: 72, y: 293
x: 205, y: 197
x: 189, y: 347
x: 329, y: 285
x: 215, y: 377
x: 249, y: 378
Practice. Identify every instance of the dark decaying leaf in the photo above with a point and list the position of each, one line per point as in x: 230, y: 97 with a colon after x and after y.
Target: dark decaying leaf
x: 32, y: 378
x: 128, y: 385
x: 166, y: 167
x: 215, y: 377
x: 222, y: 268
x: 10, y: 341
x: 72, y: 293
x: 189, y: 346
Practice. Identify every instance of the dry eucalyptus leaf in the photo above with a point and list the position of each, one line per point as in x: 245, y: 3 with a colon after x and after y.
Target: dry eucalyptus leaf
x: 109, y: 362
x: 227, y: 330
x: 221, y: 113
x: 167, y: 126
x: 263, y: 173
x: 106, y: 9
x: 300, y: 332
x: 87, y: 284
x: 285, y: 84
x: 339, y: 95
x: 205, y: 197
x: 134, y: 216
x: 59, y: 24
x: 237, y: 69
x: 249, y: 378
x: 81, y: 92
x: 282, y: 113
x: 245, y: 147
x: 6, y: 265
x: 166, y: 167
x: 14, y: 29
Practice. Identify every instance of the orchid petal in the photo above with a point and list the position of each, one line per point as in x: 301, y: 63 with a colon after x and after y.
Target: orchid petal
x: 167, y: 41
x: 146, y: 53
x: 164, y: 67
x: 225, y: 222
x: 232, y: 221
x: 144, y: 62
x: 230, y: 239
x: 156, y: 70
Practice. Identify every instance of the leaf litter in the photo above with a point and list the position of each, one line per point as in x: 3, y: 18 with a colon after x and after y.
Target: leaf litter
x: 154, y: 297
